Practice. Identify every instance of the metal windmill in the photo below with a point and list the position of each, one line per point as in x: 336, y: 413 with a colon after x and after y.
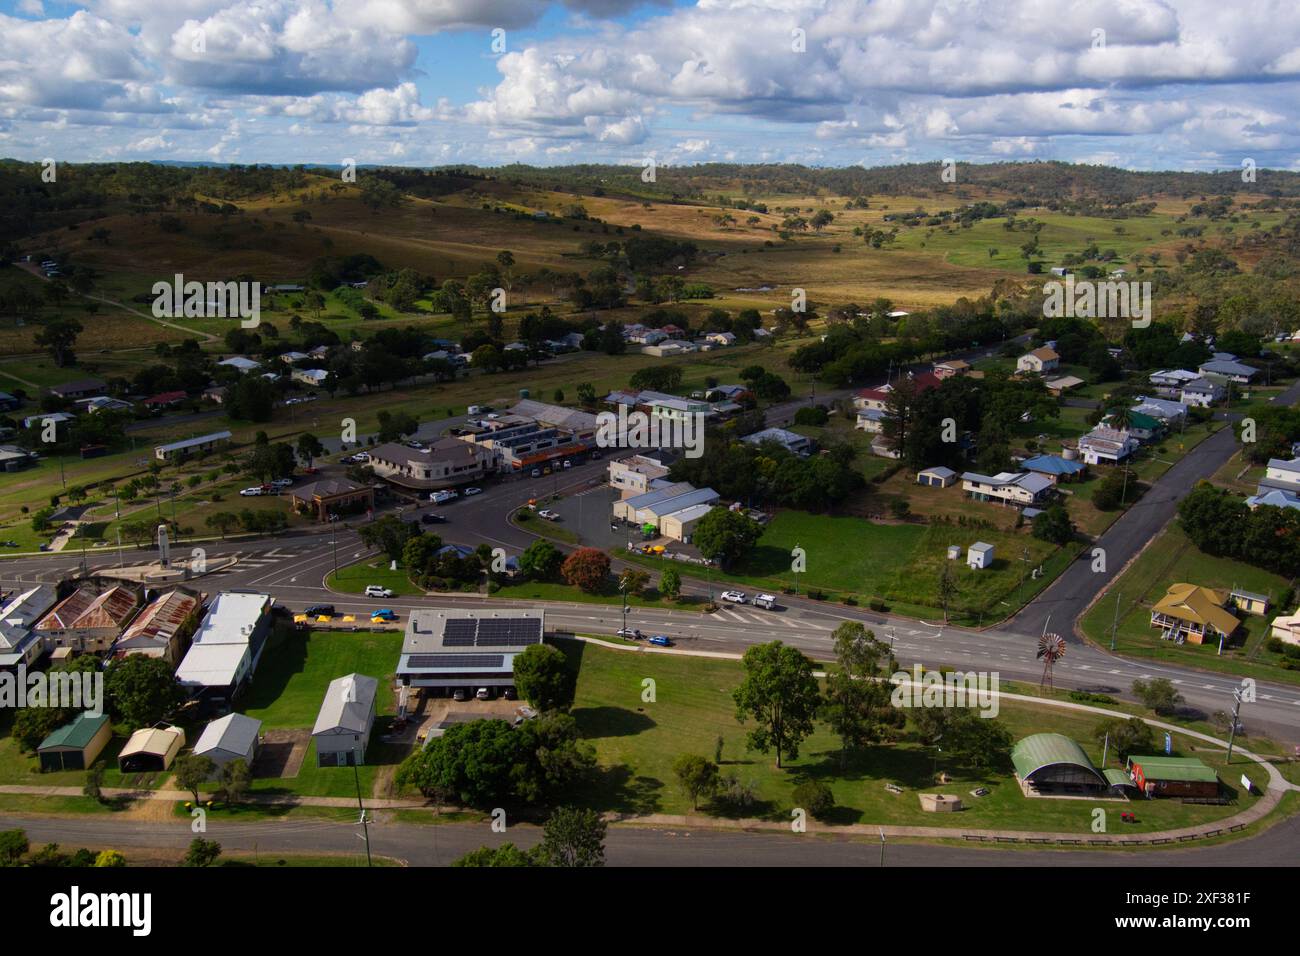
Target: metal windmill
x: 1051, y: 648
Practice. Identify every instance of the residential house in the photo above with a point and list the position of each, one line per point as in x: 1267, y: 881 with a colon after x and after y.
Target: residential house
x: 1038, y: 361
x: 1192, y: 613
x: 163, y: 400
x: 1144, y: 428
x: 1107, y: 446
x: 1280, y: 474
x: 1055, y: 468
x: 1286, y: 628
x: 293, y: 358
x: 241, y: 363
x: 103, y: 403
x: 1232, y: 371
x: 951, y: 368
x: 343, y: 724
x: 39, y: 421
x: 83, y: 388
x: 161, y: 629
x: 216, y: 394
x: 1173, y: 414
x: 1172, y: 381
x: 309, y: 376
x: 1203, y: 392
x: 1275, y: 498
x: 1007, y: 488
x: 791, y: 441
x: 86, y: 621
x: 720, y: 338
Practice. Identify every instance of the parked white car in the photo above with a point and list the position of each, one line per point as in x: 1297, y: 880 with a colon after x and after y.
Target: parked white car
x: 767, y: 601
x: 471, y: 492
x: 735, y: 597
x: 442, y: 497
x: 375, y: 590
x: 250, y: 492
x: 548, y: 515
x: 282, y: 482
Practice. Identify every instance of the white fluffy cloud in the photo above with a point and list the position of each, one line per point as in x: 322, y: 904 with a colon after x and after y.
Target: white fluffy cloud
x: 821, y: 80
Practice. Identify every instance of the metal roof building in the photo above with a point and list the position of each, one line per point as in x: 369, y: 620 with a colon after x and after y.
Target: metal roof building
x: 229, y: 738
x: 343, y: 724
x: 447, y: 648
x: 75, y: 745
x: 151, y: 748
x: 1053, y: 763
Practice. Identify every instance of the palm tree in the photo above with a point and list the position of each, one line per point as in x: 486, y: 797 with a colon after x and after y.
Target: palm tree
x: 1120, y: 417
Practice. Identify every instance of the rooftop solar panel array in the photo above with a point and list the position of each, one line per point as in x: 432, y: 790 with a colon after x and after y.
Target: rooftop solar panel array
x: 457, y: 660
x: 491, y: 632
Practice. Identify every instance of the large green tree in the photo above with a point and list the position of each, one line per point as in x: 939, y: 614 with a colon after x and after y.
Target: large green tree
x: 543, y: 677
x: 780, y: 694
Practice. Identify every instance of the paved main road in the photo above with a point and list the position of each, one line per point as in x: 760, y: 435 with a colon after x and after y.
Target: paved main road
x: 424, y: 845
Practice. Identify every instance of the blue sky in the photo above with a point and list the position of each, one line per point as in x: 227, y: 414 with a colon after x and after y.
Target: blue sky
x: 1146, y: 84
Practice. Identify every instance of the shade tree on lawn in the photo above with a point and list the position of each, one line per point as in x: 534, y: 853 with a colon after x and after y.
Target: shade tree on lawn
x: 780, y: 694
x: 543, y: 678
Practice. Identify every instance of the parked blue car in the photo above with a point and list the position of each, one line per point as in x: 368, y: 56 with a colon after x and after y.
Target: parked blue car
x: 659, y: 640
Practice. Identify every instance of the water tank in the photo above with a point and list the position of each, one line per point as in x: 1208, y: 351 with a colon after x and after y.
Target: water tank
x: 1069, y: 454
x: 523, y: 393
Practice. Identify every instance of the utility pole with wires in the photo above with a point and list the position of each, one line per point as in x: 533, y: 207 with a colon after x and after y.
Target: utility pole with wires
x: 1114, y: 624
x: 365, y: 824
x: 1236, y: 712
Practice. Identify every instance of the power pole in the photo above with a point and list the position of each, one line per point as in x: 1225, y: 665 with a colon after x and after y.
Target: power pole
x: 1114, y: 624
x: 1236, y: 712
x: 365, y: 824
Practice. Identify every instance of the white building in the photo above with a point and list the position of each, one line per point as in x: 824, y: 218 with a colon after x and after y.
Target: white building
x: 229, y: 738
x: 979, y: 556
x: 1040, y: 360
x: 343, y: 725
x: 226, y: 647
x: 1007, y: 487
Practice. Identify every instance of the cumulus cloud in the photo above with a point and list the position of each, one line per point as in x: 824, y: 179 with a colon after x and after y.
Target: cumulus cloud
x: 817, y: 80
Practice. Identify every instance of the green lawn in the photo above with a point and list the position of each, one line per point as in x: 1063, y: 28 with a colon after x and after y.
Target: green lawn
x: 637, y: 742
x: 296, y: 669
x: 846, y: 555
x: 354, y: 578
x: 1172, y: 558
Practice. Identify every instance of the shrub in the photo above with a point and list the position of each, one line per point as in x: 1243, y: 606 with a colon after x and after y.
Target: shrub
x: 815, y: 797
